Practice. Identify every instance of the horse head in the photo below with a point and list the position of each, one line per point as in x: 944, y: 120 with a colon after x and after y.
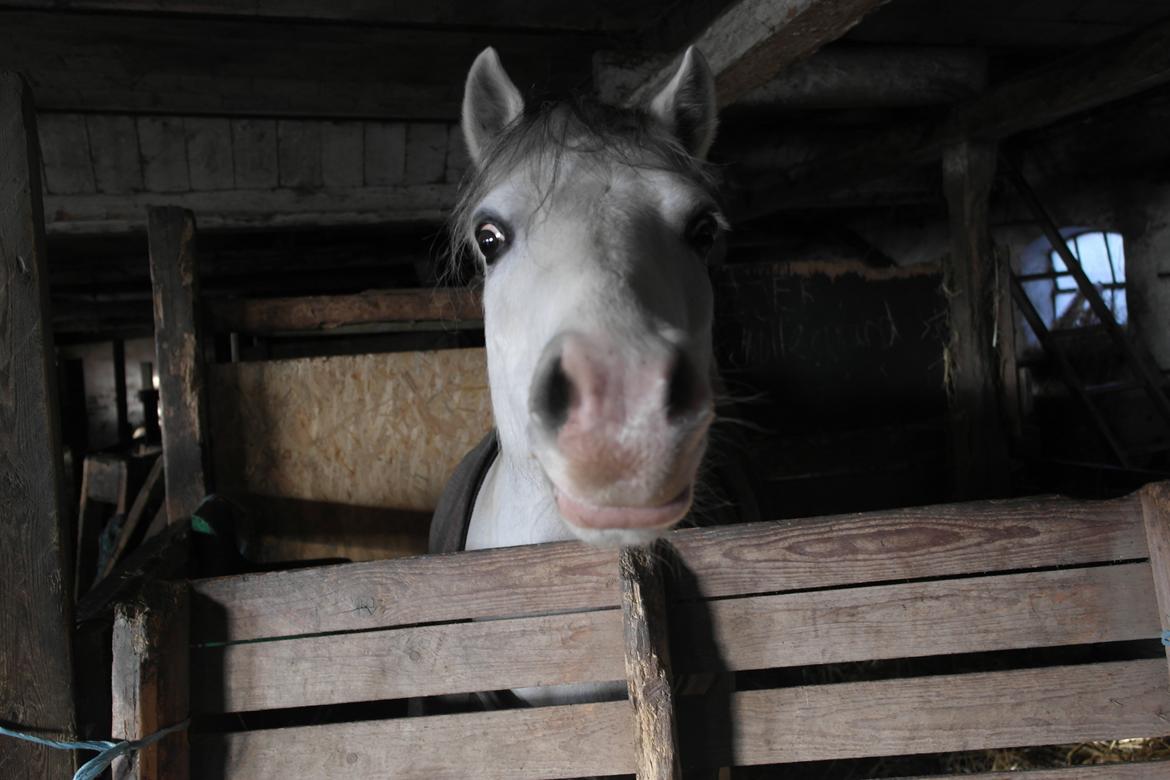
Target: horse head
x: 594, y: 227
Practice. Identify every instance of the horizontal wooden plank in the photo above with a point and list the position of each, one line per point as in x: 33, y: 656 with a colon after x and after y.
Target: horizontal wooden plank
x: 889, y: 717
x: 233, y: 67
x: 606, y: 16
x: 242, y: 208
x: 273, y: 315
x: 1036, y: 609
x: 425, y: 661
x: 1053, y: 705
x: 1139, y: 770
x: 755, y: 558
x: 968, y: 615
x: 543, y: 742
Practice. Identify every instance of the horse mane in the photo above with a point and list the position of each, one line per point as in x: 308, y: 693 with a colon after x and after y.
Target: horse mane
x: 582, y: 126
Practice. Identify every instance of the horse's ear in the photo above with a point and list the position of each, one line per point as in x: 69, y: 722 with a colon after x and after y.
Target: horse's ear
x: 687, y: 104
x: 490, y: 103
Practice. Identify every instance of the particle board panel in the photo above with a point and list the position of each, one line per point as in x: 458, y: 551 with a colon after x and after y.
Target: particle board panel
x: 381, y: 430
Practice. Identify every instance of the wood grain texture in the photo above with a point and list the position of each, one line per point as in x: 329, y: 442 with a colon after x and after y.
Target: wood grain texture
x: 323, y: 312
x: 1052, y: 705
x: 1156, y: 511
x: 383, y: 430
x: 543, y: 742
x: 299, y: 145
x: 426, y: 152
x: 966, y: 615
x: 1140, y: 770
x: 422, y: 661
x: 758, y: 558
x: 648, y: 665
x: 979, y: 614
x: 753, y: 40
x: 36, y: 609
x: 174, y: 274
x: 978, y: 449
x: 150, y: 681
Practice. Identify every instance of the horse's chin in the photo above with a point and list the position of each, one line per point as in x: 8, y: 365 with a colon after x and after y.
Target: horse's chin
x: 621, y: 525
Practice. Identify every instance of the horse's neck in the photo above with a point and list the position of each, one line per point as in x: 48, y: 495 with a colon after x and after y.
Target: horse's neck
x: 515, y: 506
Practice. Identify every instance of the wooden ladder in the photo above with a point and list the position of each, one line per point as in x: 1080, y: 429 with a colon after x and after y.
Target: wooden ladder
x: 1146, y: 375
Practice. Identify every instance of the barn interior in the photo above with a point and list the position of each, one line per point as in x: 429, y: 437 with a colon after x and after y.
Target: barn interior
x: 896, y: 321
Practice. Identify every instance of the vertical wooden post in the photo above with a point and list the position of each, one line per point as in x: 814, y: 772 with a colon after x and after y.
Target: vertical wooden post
x: 979, y: 451
x: 36, y: 610
x: 150, y: 680
x: 648, y: 671
x: 1156, y: 510
x: 174, y: 274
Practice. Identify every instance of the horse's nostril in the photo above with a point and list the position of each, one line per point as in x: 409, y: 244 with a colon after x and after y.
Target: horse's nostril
x: 683, y: 393
x: 552, y: 394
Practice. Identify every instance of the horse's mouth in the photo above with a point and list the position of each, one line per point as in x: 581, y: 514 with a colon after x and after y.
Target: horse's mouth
x: 642, y: 518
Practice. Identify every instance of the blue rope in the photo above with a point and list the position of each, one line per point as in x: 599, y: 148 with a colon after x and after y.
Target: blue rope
x: 107, y: 750
x: 1166, y: 638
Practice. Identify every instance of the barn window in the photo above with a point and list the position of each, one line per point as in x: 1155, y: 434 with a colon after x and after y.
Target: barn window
x: 1102, y: 255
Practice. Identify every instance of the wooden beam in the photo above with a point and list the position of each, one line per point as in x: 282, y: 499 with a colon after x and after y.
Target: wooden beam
x: 310, y: 313
x: 98, y: 213
x: 978, y: 446
x: 1083, y: 81
x: 508, y: 14
x: 753, y: 40
x: 116, y: 63
x: 174, y: 274
x: 648, y: 670
x: 1156, y: 510
x: 36, y: 608
x: 834, y: 77
x: 150, y: 681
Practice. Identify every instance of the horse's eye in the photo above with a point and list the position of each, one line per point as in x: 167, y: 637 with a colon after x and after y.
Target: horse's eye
x: 703, y: 232
x: 491, y: 241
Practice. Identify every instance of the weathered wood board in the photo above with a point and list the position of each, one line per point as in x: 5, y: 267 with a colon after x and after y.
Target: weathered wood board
x: 380, y: 430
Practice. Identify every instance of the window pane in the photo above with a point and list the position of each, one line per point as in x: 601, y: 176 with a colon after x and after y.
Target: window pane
x: 1063, y: 301
x: 1117, y: 250
x: 1094, y: 258
x: 1119, y: 306
x: 1066, y: 282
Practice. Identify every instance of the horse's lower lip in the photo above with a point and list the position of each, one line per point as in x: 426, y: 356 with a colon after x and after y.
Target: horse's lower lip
x: 586, y: 515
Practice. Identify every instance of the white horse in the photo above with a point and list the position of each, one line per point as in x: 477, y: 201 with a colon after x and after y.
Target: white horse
x: 594, y: 227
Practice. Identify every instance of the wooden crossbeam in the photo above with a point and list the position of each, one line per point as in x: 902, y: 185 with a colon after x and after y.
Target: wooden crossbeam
x: 310, y: 313
x: 1081, y: 82
x: 753, y: 40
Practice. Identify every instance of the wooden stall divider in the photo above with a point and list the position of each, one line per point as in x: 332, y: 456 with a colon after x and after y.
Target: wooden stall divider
x: 150, y: 680
x: 648, y: 668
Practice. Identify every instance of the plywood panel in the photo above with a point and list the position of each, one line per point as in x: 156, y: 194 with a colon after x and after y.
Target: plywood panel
x: 372, y: 430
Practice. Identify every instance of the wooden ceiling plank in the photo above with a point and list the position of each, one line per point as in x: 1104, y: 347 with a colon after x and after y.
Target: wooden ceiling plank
x: 1084, y: 81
